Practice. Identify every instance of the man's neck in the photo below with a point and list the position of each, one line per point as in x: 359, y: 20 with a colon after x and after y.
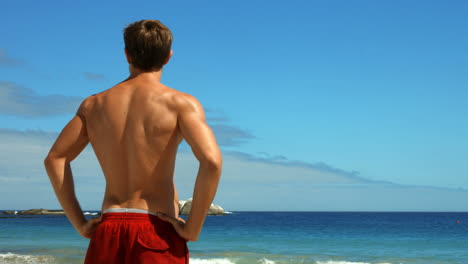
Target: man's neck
x: 154, y: 75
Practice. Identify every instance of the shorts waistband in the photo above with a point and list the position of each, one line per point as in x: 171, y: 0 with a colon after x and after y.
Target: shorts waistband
x: 128, y: 210
x: 131, y: 215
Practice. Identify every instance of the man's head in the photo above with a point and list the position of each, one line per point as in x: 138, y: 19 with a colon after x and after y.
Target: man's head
x: 147, y: 44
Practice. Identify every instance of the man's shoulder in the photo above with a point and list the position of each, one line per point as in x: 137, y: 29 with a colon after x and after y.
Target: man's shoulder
x: 186, y: 102
x: 86, y: 105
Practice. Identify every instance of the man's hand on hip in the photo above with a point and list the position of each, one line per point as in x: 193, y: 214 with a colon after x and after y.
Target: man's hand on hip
x: 87, y: 230
x: 178, y: 224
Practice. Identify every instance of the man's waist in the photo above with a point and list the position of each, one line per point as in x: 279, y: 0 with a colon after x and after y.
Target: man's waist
x: 129, y: 210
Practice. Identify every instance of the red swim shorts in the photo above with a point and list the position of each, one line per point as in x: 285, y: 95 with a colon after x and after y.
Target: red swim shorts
x: 136, y: 238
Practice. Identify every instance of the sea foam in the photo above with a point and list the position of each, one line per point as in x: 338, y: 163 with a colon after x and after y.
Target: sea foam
x: 211, y: 261
x: 266, y: 261
x: 347, y: 262
x: 88, y: 213
x: 225, y: 261
x: 24, y: 259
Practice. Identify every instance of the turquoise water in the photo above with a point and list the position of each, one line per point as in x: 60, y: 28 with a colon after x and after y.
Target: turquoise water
x: 271, y: 238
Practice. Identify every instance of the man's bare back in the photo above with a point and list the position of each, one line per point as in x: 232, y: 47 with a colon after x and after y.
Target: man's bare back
x: 133, y: 129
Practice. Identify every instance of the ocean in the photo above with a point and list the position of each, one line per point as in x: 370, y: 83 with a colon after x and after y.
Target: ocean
x: 270, y: 238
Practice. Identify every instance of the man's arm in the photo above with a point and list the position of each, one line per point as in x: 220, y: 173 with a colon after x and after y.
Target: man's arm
x: 193, y: 127
x: 71, y: 141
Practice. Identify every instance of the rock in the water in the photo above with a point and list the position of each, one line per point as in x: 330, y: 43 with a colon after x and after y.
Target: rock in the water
x: 187, y: 206
x: 41, y: 212
x: 216, y: 210
x: 181, y: 204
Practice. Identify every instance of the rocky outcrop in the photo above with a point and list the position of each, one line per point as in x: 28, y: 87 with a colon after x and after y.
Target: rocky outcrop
x: 9, y: 212
x: 181, y: 204
x: 186, y: 206
x: 216, y: 210
x: 35, y: 212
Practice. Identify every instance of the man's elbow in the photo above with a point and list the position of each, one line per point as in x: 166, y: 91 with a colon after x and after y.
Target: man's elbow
x: 51, y: 160
x: 48, y: 161
x: 214, y: 163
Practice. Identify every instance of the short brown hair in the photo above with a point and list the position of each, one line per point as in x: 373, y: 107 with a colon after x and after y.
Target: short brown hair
x: 148, y: 44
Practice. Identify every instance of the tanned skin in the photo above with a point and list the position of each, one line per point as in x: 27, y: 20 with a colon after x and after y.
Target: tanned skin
x: 135, y: 129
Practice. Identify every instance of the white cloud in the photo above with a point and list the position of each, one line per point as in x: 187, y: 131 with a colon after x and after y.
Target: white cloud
x: 6, y: 60
x: 94, y: 76
x: 248, y: 182
x: 21, y: 101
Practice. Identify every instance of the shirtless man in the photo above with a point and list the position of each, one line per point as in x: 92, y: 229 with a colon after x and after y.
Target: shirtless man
x: 135, y: 129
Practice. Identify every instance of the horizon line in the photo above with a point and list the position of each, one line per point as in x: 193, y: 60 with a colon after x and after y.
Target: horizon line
x: 295, y: 211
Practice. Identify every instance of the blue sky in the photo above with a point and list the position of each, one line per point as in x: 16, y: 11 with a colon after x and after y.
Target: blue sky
x: 317, y: 105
